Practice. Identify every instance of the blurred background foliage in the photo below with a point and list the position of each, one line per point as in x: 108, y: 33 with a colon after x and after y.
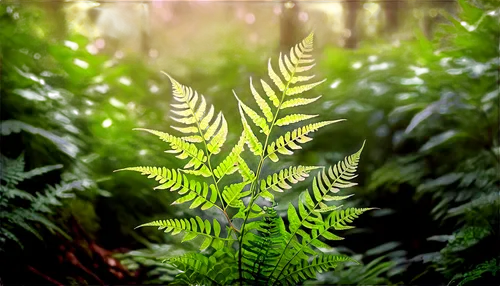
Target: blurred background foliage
x: 419, y: 80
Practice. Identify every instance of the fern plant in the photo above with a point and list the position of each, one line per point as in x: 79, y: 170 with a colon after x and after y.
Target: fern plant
x: 256, y: 245
x: 21, y: 210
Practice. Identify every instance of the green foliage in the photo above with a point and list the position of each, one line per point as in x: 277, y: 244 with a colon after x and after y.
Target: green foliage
x: 257, y: 245
x: 465, y: 193
x: 20, y: 209
x: 491, y: 266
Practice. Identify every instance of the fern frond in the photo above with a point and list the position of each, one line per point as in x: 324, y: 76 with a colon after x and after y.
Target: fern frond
x: 192, y: 109
x: 339, y: 219
x: 195, y: 269
x: 184, y: 149
x: 246, y: 173
x: 258, y: 120
x: 217, y: 269
x: 261, y: 252
x: 310, y: 217
x: 306, y: 270
x: 229, y: 164
x: 299, y: 60
x: 12, y: 171
x: 253, y: 143
x: 176, y: 181
x: 232, y: 195
x: 270, y: 93
x: 264, y: 107
x: 298, y: 102
x: 293, y: 118
x: 192, y: 228
x: 288, y: 142
x: 278, y: 181
x: 53, y: 195
x: 40, y: 171
x: 8, y: 127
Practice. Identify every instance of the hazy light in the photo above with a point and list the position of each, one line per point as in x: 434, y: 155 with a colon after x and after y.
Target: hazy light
x: 106, y: 123
x: 253, y: 37
x: 417, y: 13
x: 335, y: 84
x: 250, y: 18
x: 102, y: 88
x: 167, y: 15
x: 100, y: 43
x: 289, y: 5
x: 154, y: 88
x: 357, y: 65
x: 71, y: 45
x: 303, y: 16
x: 240, y: 13
x: 119, y: 54
x: 125, y: 81
x: 381, y: 66
x: 116, y: 103
x: 411, y: 81
x: 92, y: 49
x: 131, y: 105
x: 157, y: 3
x: 80, y: 63
x: 372, y: 59
x: 347, y: 33
x: 277, y: 10
x: 153, y: 53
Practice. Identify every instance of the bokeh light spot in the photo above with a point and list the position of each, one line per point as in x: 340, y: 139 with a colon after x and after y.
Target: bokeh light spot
x: 107, y: 123
x: 81, y: 64
x: 303, y: 16
x: 347, y: 33
x: 153, y: 53
x: 125, y: 81
x: 250, y: 18
x: 92, y: 49
x: 100, y: 43
x: 277, y: 10
x: 119, y: 54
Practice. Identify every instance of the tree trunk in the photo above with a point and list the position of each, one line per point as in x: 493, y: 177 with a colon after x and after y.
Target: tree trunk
x: 290, y: 32
x: 352, y: 8
x: 391, y: 15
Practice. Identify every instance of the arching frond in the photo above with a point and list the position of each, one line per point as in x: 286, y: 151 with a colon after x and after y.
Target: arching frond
x: 233, y: 193
x: 229, y: 164
x: 253, y: 143
x: 307, y: 270
x: 298, y: 102
x: 288, y: 142
x: 184, y: 150
x: 293, y: 118
x: 192, y: 228
x: 309, y: 215
x: 175, y: 180
x: 256, y: 118
x: 246, y: 173
x: 280, y: 181
x: 198, y: 121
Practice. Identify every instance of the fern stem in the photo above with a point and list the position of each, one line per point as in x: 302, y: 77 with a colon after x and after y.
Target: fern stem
x: 259, y: 169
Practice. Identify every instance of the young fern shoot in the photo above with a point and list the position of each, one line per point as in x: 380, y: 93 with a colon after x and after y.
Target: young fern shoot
x: 263, y: 249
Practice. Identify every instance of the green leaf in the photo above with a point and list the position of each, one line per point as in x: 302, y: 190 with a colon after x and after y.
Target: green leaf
x: 441, y: 139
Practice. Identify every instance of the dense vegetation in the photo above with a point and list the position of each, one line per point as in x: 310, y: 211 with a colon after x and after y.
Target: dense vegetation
x: 428, y: 108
